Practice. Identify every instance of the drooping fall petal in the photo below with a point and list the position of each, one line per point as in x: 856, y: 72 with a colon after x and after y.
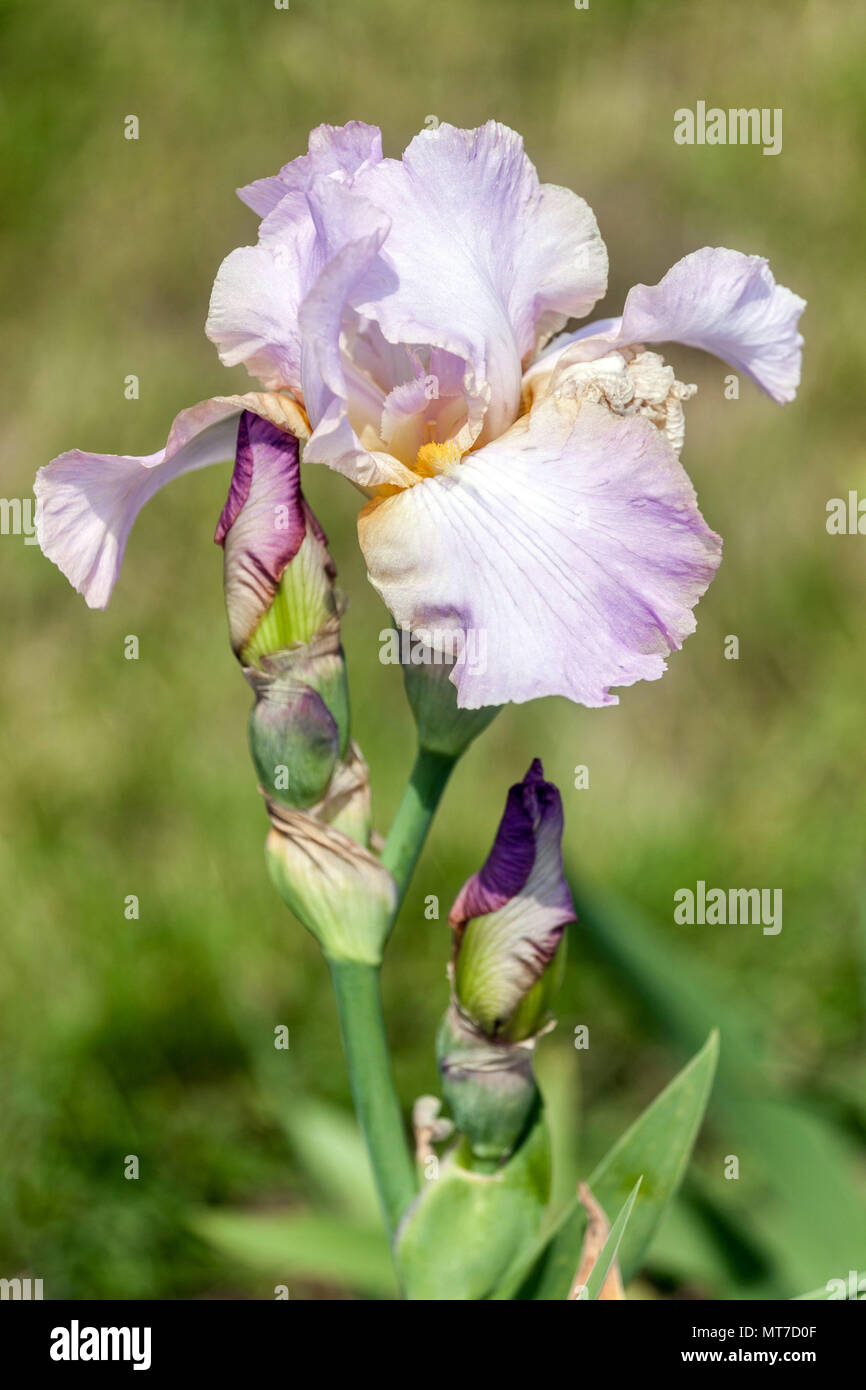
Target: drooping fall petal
x: 87, y: 503
x: 572, y: 549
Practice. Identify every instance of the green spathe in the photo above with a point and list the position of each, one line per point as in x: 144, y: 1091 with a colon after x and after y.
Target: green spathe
x: 488, y: 1086
x: 338, y: 890
x: 466, y: 1227
x: 294, y: 743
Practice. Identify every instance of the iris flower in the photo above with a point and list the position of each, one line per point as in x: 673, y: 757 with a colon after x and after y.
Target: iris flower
x: 401, y: 316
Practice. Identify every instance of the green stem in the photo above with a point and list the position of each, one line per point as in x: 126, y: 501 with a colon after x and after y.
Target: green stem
x: 359, y: 1003
x: 362, y: 1026
x: 414, y: 814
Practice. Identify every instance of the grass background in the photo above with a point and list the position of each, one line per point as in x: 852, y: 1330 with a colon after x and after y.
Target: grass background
x: 154, y: 1036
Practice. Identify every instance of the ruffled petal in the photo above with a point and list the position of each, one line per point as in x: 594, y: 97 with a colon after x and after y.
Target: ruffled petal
x: 488, y: 260
x: 333, y: 151
x: 257, y: 295
x: 87, y: 503
x: 256, y: 299
x: 730, y: 305
x: 718, y: 300
x: 510, y: 917
x: 562, y: 559
x: 458, y: 249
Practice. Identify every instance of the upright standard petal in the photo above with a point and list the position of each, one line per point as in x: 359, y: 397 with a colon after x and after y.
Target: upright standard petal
x: 509, y: 917
x: 718, y: 300
x: 488, y: 259
x: 571, y: 551
x: 86, y: 503
x: 258, y: 291
x: 333, y: 151
x: 257, y: 294
x: 352, y: 232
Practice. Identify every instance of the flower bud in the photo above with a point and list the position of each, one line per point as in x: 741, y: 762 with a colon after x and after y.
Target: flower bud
x: 508, y: 922
x: 322, y: 867
x: 278, y: 575
x: 508, y: 919
x: 488, y: 1086
x: 299, y: 724
x: 284, y: 620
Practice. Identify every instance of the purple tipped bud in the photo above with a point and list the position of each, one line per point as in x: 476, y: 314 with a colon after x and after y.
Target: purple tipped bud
x: 508, y: 921
x: 509, y: 918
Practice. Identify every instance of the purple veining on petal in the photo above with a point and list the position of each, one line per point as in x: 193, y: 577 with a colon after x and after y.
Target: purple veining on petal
x: 573, y: 546
x: 263, y: 522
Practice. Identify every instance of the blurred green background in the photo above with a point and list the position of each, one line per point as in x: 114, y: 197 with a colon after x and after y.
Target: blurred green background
x: 154, y: 1036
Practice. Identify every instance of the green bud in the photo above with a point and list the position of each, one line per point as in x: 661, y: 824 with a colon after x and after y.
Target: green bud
x: 488, y: 1085
x: 299, y: 725
x: 294, y: 745
x: 321, y: 865
x: 334, y: 885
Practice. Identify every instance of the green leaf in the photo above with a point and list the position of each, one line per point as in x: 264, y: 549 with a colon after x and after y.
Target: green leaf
x: 657, y: 1146
x: 327, y: 1143
x: 559, y: 1083
x: 608, y: 1253
x: 808, y: 1215
x: 283, y: 1246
